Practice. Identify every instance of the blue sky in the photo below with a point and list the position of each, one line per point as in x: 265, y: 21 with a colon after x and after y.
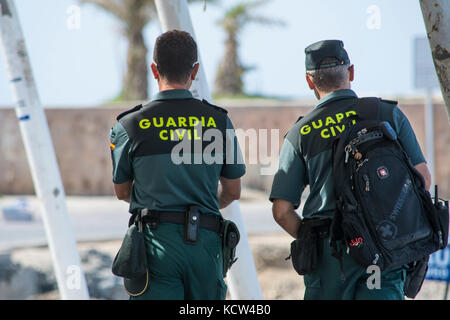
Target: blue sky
x: 84, y: 67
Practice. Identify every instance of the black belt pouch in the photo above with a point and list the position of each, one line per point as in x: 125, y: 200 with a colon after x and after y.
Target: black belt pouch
x: 305, y: 250
x: 131, y: 260
x: 415, y: 275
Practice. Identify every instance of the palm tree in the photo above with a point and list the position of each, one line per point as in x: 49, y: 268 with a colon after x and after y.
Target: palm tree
x: 229, y: 74
x: 133, y: 16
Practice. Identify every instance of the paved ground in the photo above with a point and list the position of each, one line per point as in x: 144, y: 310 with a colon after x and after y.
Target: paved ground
x: 105, y: 218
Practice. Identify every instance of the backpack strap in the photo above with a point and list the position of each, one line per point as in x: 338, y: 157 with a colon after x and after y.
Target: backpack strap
x: 368, y: 108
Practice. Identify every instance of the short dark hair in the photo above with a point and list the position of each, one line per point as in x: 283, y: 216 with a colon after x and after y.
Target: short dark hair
x: 327, y: 79
x: 175, y: 54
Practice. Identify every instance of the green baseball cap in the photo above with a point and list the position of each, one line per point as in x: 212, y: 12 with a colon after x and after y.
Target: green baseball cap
x: 317, y: 52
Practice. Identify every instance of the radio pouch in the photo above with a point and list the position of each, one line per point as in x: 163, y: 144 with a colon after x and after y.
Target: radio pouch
x: 192, y: 224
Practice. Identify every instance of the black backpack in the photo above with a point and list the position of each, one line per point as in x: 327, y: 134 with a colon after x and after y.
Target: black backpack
x: 384, y: 215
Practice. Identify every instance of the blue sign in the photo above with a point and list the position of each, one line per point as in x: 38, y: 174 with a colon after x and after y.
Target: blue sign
x: 439, y: 265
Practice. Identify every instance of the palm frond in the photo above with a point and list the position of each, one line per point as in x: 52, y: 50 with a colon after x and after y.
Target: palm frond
x: 126, y: 11
x: 241, y: 14
x: 266, y: 21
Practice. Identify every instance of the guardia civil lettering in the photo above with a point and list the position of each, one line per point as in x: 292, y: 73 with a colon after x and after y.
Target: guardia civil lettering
x: 330, y: 126
x: 177, y: 128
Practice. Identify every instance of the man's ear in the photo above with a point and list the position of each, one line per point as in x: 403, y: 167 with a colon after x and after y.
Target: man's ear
x: 154, y: 70
x: 351, y: 71
x: 195, y: 71
x: 310, y: 82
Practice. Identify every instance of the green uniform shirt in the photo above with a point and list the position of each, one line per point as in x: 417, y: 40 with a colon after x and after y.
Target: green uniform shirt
x: 142, y: 149
x: 299, y: 168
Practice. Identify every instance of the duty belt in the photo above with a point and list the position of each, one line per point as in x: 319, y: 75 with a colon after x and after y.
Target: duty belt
x: 153, y: 218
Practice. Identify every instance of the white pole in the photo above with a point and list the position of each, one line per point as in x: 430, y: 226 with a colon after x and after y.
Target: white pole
x: 41, y: 157
x: 429, y: 136
x: 242, y: 278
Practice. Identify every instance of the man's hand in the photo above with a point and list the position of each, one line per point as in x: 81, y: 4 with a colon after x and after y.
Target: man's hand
x: 285, y: 215
x: 123, y: 190
x: 229, y: 190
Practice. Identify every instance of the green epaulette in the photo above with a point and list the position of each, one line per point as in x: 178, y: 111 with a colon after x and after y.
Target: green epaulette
x: 136, y: 108
x: 214, y: 106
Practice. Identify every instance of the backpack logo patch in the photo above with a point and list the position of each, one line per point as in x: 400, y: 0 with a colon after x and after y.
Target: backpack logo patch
x: 387, y: 230
x: 382, y: 172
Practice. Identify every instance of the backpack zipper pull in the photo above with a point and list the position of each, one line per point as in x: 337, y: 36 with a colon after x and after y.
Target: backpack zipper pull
x: 347, y: 151
x: 366, y: 179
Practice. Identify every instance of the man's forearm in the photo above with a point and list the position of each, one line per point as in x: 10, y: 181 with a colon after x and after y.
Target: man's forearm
x: 285, y: 215
x: 123, y: 190
x: 290, y: 222
x: 224, y: 199
x: 228, y: 190
x: 224, y: 202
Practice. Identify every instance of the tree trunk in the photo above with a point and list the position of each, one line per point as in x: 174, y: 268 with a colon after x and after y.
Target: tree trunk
x: 229, y: 74
x: 436, y: 14
x: 135, y: 82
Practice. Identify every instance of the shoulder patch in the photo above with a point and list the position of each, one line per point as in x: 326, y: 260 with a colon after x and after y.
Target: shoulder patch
x: 389, y: 101
x: 214, y: 106
x: 138, y: 107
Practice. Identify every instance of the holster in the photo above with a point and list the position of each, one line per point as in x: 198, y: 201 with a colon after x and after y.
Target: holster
x: 307, y: 248
x: 230, y: 239
x: 130, y: 261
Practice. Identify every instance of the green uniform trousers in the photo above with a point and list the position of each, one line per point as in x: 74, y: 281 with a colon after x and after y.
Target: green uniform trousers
x: 325, y: 283
x: 183, y: 271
